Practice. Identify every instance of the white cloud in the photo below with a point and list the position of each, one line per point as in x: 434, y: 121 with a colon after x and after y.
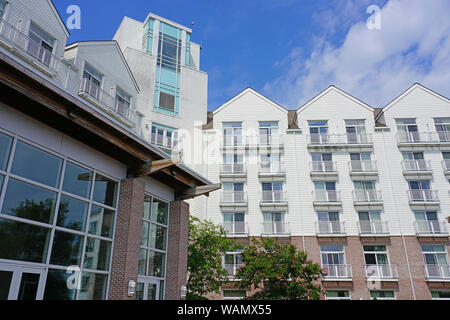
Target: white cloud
x: 375, y: 65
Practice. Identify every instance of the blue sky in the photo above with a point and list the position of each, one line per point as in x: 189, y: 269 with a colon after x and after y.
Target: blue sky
x: 290, y: 50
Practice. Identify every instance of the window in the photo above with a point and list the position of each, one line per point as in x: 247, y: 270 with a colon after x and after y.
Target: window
x: 414, y: 161
x: 268, y: 133
x: 5, y: 149
x: 408, y: 130
x: 76, y: 230
x: 420, y: 190
x: 366, y: 191
x: 123, y: 103
x: 443, y: 129
x: 92, y: 81
x: 318, y: 131
x: 41, y: 45
x: 436, y: 262
x: 440, y: 295
x: 234, y: 223
x: 322, y: 162
x: 270, y: 163
x: 272, y: 192
x: 234, y: 294
x: 167, y: 101
x: 446, y: 156
x: 2, y: 8
x: 274, y: 223
x: 233, y: 163
x: 337, y: 295
x: 232, y: 133
x: 370, y: 222
x: 233, y: 192
x: 232, y: 262
x: 427, y: 222
x: 362, y: 162
x: 329, y: 222
x: 382, y: 295
x: 356, y: 131
x: 164, y: 136
x: 333, y: 261
x: 152, y: 259
x: 169, y: 52
x: 325, y: 191
x: 377, y: 262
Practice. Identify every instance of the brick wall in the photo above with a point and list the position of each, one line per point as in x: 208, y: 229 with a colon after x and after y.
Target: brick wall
x: 127, y: 238
x: 177, y: 249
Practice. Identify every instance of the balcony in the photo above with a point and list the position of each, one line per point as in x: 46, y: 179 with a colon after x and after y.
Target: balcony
x: 273, y: 198
x: 233, y: 170
x: 436, y: 272
x: 417, y: 169
x: 381, y: 272
x: 165, y: 142
x: 363, y: 168
x: 373, y: 228
x: 270, y: 140
x: 327, y: 198
x: 20, y: 44
x: 339, y: 140
x: 275, y: 228
x: 233, y: 141
x: 105, y: 101
x: 411, y: 139
x: 339, y: 272
x: 232, y: 269
x: 433, y: 228
x: 423, y: 197
x: 234, y: 199
x: 367, y: 197
x: 446, y: 166
x: 330, y: 228
x: 324, y: 170
x: 238, y: 228
x: 271, y: 169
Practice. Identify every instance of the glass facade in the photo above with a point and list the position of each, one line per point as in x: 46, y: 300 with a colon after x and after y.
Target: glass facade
x: 58, y: 214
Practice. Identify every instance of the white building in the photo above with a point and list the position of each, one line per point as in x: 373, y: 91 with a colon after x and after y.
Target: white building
x: 364, y: 191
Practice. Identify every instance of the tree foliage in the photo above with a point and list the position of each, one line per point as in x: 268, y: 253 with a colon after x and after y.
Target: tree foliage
x: 279, y: 272
x: 207, y: 245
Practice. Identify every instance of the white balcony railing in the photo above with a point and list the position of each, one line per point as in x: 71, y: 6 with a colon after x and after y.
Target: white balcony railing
x: 164, y: 141
x: 275, y: 228
x: 367, y: 196
x: 323, y: 166
x: 437, y: 272
x: 273, y: 197
x: 338, y: 271
x: 327, y: 196
x: 24, y: 44
x: 424, y: 195
x: 330, y: 227
x: 416, y: 165
x: 340, y: 139
x: 233, y: 140
x: 106, y: 100
x: 234, y: 197
x: 232, y: 269
x: 236, y: 228
x: 381, y: 272
x: 423, y: 137
x: 270, y: 139
x: 446, y: 165
x: 275, y: 167
x: 362, y: 166
x: 431, y: 227
x: 233, y: 168
x: 373, y: 227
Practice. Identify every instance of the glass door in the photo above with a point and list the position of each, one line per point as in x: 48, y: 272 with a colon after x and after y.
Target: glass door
x: 147, y: 289
x: 21, y: 283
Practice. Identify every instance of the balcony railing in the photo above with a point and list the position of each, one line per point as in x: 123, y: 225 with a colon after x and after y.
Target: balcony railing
x: 268, y: 197
x: 424, y: 195
x: 327, y: 196
x: 275, y: 228
x: 270, y: 139
x: 24, y: 44
x: 381, y: 272
x: 330, y: 227
x: 164, y: 141
x: 233, y: 168
x: 373, y: 228
x: 338, y: 271
x: 416, y: 165
x: 431, y: 227
x: 368, y: 196
x: 363, y: 166
x: 446, y: 165
x: 232, y: 269
x: 339, y: 139
x: 271, y: 167
x: 233, y: 141
x: 234, y: 197
x: 423, y: 137
x: 437, y: 272
x: 106, y: 100
x: 236, y: 228
x: 323, y: 166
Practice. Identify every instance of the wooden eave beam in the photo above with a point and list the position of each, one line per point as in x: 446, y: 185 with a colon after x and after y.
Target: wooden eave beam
x: 199, y: 191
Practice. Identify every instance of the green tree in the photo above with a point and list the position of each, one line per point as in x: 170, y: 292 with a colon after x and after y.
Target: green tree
x: 279, y: 272
x: 207, y: 245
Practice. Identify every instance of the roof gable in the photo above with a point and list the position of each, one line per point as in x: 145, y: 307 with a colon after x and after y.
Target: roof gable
x: 245, y: 92
x: 58, y: 16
